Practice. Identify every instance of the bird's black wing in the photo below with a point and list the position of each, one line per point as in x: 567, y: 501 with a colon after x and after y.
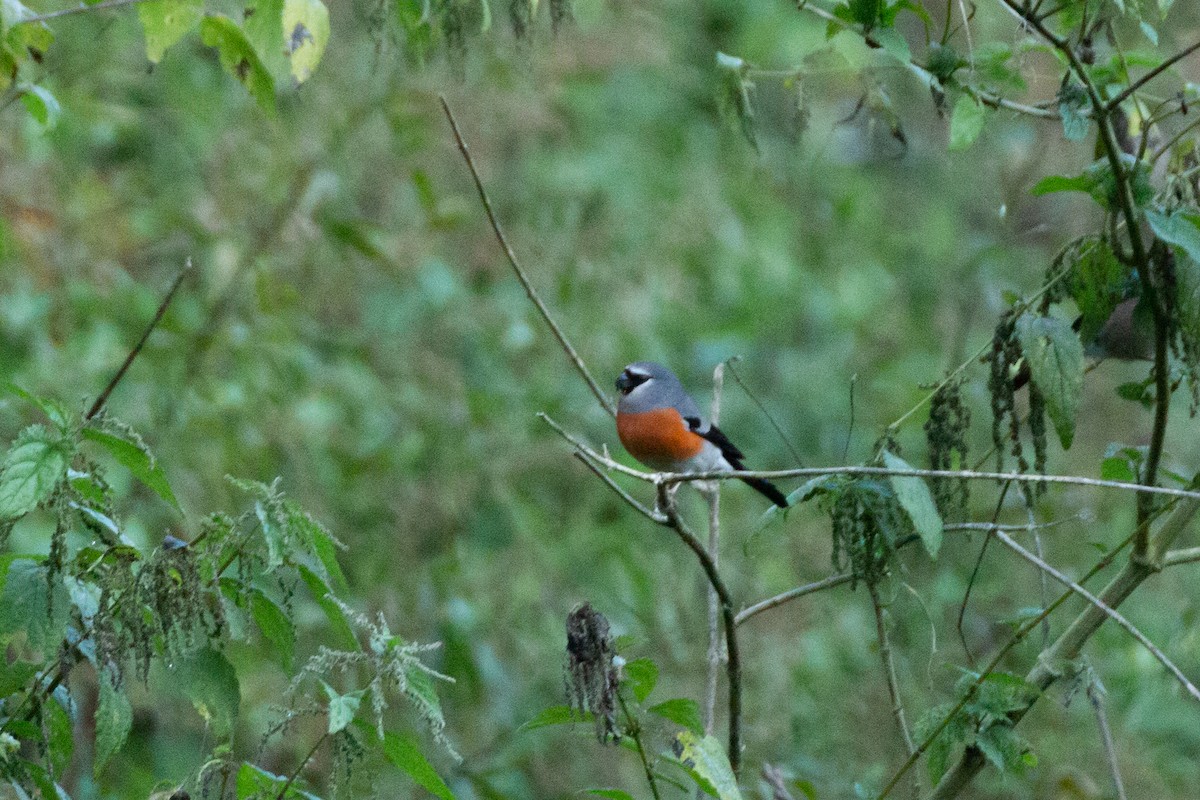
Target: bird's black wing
x: 735, y: 458
x: 718, y: 437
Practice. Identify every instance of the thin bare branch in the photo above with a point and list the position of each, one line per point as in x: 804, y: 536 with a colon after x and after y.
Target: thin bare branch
x: 733, y: 666
x: 670, y: 478
x: 66, y: 12
x: 889, y: 670
x: 1124, y: 94
x: 536, y: 299
x: 792, y: 594
x: 714, y: 551
x: 98, y: 406
x: 1095, y: 693
x: 1184, y: 555
x: 1112, y: 613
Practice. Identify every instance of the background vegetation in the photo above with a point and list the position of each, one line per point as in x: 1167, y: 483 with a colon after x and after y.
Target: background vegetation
x: 684, y: 182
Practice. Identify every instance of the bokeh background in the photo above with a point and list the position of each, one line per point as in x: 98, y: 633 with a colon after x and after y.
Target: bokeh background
x: 352, y: 327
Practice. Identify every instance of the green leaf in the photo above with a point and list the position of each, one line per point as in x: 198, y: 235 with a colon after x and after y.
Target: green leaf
x: 256, y: 782
x: 264, y: 30
x: 24, y: 606
x: 682, y: 712
x: 642, y: 674
x: 1097, y: 288
x: 423, y: 693
x: 917, y: 501
x: 403, y: 753
x: 1181, y: 230
x: 1003, y: 747
x: 31, y: 470
x: 1055, y: 357
x: 276, y: 627
x: 1072, y: 100
x: 1116, y: 468
x: 239, y: 58
x: 343, y: 633
x: 165, y: 22
x: 894, y: 43
x: 138, y: 461
x: 305, y: 34
x: 612, y: 794
x: 865, y: 12
x: 1061, y: 183
x: 114, y: 720
x: 210, y: 682
x: 966, y: 122
x: 55, y: 411
x: 341, y: 708
x: 41, y: 105
x: 705, y: 760
x: 554, y: 715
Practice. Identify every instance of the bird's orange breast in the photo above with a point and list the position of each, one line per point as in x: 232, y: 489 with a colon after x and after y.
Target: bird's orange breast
x: 658, y: 436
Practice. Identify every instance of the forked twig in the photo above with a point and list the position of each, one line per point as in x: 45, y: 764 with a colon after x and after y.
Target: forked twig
x: 1112, y: 613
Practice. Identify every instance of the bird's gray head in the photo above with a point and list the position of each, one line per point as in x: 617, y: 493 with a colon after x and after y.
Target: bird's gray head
x: 645, y: 385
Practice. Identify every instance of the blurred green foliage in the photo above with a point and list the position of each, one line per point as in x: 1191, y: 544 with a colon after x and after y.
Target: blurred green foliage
x: 352, y: 328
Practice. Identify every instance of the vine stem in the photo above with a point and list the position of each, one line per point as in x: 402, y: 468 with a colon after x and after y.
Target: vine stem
x: 292, y: 778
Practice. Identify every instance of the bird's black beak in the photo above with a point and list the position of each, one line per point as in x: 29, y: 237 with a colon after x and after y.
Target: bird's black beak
x: 624, y: 382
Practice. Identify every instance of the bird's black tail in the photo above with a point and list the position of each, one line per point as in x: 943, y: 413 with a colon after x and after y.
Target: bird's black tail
x: 768, y: 489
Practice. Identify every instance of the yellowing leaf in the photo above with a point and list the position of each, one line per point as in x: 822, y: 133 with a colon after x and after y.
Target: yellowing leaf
x: 305, y: 34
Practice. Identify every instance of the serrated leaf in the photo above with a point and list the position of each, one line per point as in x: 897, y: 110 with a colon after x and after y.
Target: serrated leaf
x: 1072, y: 100
x: 705, y: 760
x: 1055, y: 357
x: 343, y: 633
x: 403, y: 753
x: 1097, y: 288
x: 917, y: 501
x: 1181, y: 230
x: 341, y: 708
x: 554, y: 715
x: 55, y: 411
x: 165, y: 22
x: 966, y: 122
x: 642, y: 674
x: 305, y: 34
x: 239, y: 58
x: 31, y: 470
x: 114, y: 720
x: 277, y: 628
x: 682, y: 712
x: 210, y: 682
x: 24, y: 606
x: 1003, y: 747
x: 423, y: 693
x: 143, y: 467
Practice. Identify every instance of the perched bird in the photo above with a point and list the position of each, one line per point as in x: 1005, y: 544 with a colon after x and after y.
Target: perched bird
x: 661, y: 426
